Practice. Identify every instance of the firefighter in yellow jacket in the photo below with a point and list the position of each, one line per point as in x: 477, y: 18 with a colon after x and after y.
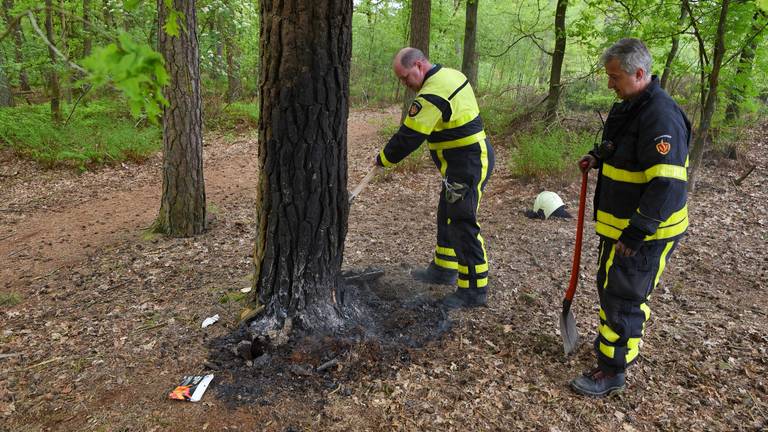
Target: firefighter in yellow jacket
x: 446, y: 115
x: 640, y: 208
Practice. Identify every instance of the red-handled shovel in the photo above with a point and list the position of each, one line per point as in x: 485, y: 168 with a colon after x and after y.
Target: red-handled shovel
x: 568, y: 329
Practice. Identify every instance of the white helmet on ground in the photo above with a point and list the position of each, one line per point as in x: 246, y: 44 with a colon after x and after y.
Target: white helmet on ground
x: 548, y: 202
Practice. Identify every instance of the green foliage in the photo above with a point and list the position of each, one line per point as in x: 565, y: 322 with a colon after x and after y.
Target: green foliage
x: 100, y: 133
x: 134, y: 68
x: 9, y: 299
x: 551, y: 151
x: 234, y: 116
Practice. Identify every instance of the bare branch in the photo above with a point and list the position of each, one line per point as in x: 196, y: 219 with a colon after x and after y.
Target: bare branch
x: 40, y: 33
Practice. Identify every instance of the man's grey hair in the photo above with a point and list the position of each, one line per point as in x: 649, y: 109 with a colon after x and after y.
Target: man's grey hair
x: 410, y: 56
x: 632, y: 55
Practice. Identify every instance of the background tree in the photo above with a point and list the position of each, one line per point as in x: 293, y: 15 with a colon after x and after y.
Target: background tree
x: 553, y: 98
x: 182, y: 206
x: 675, y: 47
x: 53, y: 76
x: 302, y: 205
x: 6, y: 96
x: 17, y: 42
x: 469, y: 62
x: 421, y: 13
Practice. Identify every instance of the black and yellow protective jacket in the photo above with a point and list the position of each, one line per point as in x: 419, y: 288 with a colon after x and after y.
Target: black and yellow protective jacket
x: 641, y: 190
x: 445, y: 113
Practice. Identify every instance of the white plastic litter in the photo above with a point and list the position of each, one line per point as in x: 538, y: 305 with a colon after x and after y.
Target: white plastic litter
x: 210, y: 320
x: 245, y: 290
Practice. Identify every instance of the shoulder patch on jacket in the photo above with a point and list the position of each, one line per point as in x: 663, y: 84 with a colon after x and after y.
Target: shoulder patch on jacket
x: 414, y: 109
x: 663, y: 145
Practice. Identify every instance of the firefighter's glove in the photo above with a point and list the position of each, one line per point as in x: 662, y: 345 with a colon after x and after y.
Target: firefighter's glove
x: 455, y: 191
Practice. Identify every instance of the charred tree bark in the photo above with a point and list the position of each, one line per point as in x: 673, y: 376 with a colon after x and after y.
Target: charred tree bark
x: 53, y: 77
x: 675, y: 47
x: 18, y: 52
x: 302, y: 205
x: 182, y: 207
x: 555, y: 88
x: 421, y: 12
x: 469, y: 61
x: 699, y: 145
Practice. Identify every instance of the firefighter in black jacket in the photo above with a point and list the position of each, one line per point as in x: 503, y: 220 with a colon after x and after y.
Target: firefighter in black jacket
x: 446, y: 115
x: 640, y: 208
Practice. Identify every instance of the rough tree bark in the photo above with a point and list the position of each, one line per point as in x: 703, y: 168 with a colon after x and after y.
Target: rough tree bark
x: 182, y: 207
x: 469, y: 61
x: 699, y: 144
x: 53, y: 77
x: 18, y: 52
x: 675, y: 47
x: 302, y: 205
x: 555, y: 88
x: 421, y: 12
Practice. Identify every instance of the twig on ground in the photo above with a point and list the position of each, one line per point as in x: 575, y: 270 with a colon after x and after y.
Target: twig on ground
x: 8, y: 236
x: 327, y: 365
x: 49, y: 273
x: 738, y: 181
x: 17, y: 251
x: 43, y: 363
x: 9, y: 355
x: 144, y: 328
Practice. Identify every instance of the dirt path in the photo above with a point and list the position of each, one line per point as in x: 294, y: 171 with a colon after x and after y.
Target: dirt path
x: 109, y: 320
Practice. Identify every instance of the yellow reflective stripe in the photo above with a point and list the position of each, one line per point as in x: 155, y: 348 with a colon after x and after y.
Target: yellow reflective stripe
x: 686, y: 161
x: 483, y: 171
x: 610, y: 226
x: 646, y: 310
x: 633, y: 349
x: 602, y: 315
x: 608, y: 333
x: 608, y: 265
x: 445, y: 251
x: 607, y: 350
x: 452, y: 265
x: 384, y: 159
x: 443, y: 165
x: 461, y: 142
x: 618, y: 174
x: 662, y: 263
x: 481, y: 283
x: 670, y: 171
x: 461, y: 121
x: 480, y: 268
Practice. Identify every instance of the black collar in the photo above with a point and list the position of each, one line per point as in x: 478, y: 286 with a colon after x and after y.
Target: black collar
x: 431, y: 72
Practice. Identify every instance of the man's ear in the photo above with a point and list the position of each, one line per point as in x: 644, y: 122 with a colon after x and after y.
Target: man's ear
x: 640, y: 74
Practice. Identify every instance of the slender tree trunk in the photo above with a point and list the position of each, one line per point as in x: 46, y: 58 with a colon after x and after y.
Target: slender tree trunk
x: 182, y: 207
x: 87, y: 36
x: 555, y: 88
x: 18, y: 52
x: 421, y: 12
x: 736, y: 94
x: 469, y: 62
x: 6, y: 96
x: 699, y: 145
x: 302, y: 205
x: 234, y: 86
x: 675, y: 46
x: 53, y: 76
x: 64, y: 48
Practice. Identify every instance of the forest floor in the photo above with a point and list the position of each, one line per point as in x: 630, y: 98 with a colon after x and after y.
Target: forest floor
x: 101, y: 321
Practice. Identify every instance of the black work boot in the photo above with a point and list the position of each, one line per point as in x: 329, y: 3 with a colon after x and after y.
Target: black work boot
x: 435, y: 275
x: 597, y: 383
x: 466, y: 298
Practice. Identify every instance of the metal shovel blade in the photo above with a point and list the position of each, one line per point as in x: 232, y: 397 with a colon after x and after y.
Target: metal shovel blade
x: 569, y: 332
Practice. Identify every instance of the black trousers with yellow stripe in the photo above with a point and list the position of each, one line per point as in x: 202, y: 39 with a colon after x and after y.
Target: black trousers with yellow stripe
x: 624, y: 285
x: 459, y: 243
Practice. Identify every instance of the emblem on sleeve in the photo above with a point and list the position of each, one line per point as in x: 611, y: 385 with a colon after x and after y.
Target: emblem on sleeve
x: 414, y: 109
x: 663, y: 147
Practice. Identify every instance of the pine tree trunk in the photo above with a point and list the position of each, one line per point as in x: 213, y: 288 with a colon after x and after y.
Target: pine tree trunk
x: 234, y: 87
x: 18, y: 52
x: 555, y: 88
x: 182, y: 208
x: 421, y: 11
x: 302, y: 205
x: 673, y: 51
x: 53, y: 77
x: 744, y: 69
x: 469, y: 61
x: 699, y: 145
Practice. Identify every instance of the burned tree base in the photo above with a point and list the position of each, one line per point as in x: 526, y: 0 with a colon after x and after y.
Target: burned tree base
x: 384, y: 321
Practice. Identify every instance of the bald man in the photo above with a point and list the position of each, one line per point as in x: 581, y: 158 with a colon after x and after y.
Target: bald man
x: 446, y: 115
